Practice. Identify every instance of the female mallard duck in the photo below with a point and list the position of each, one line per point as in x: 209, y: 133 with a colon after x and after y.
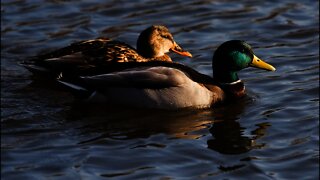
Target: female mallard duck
x: 152, y: 45
x: 163, y: 85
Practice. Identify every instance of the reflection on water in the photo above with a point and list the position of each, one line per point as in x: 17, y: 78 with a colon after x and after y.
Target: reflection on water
x: 273, y: 133
x: 234, y: 141
x: 137, y: 123
x: 228, y: 134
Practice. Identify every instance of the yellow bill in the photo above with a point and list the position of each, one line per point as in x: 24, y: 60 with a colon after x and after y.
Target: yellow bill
x: 258, y: 63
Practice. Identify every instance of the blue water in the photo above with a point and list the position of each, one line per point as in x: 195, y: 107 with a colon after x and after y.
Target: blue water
x: 271, y: 134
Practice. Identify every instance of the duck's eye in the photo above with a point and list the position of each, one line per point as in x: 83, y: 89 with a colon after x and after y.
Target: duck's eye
x: 166, y: 36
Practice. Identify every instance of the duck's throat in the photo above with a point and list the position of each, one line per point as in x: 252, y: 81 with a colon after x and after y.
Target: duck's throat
x: 225, y: 77
x: 230, y: 83
x: 164, y: 57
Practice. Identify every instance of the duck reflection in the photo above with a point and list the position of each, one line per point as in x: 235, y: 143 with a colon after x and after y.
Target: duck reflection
x: 101, y: 122
x: 228, y: 134
x: 98, y: 122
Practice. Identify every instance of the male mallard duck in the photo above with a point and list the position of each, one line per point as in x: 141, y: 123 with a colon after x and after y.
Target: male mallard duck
x: 152, y: 44
x: 163, y: 85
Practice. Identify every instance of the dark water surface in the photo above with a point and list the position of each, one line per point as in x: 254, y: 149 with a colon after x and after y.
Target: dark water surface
x: 271, y: 134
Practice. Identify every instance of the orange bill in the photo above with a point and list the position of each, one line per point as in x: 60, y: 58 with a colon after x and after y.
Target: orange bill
x: 177, y: 49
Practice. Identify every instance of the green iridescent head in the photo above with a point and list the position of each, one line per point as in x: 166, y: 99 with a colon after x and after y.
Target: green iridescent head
x: 231, y: 57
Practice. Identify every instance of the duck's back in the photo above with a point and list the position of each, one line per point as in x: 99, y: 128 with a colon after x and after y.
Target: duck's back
x: 97, y: 50
x: 106, y: 50
x: 82, y: 55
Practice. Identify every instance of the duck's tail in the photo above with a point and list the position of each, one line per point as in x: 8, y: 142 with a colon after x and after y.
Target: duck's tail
x: 77, y: 90
x: 83, y: 94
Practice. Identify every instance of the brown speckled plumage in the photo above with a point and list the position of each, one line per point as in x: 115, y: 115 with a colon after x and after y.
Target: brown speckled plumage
x: 97, y: 50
